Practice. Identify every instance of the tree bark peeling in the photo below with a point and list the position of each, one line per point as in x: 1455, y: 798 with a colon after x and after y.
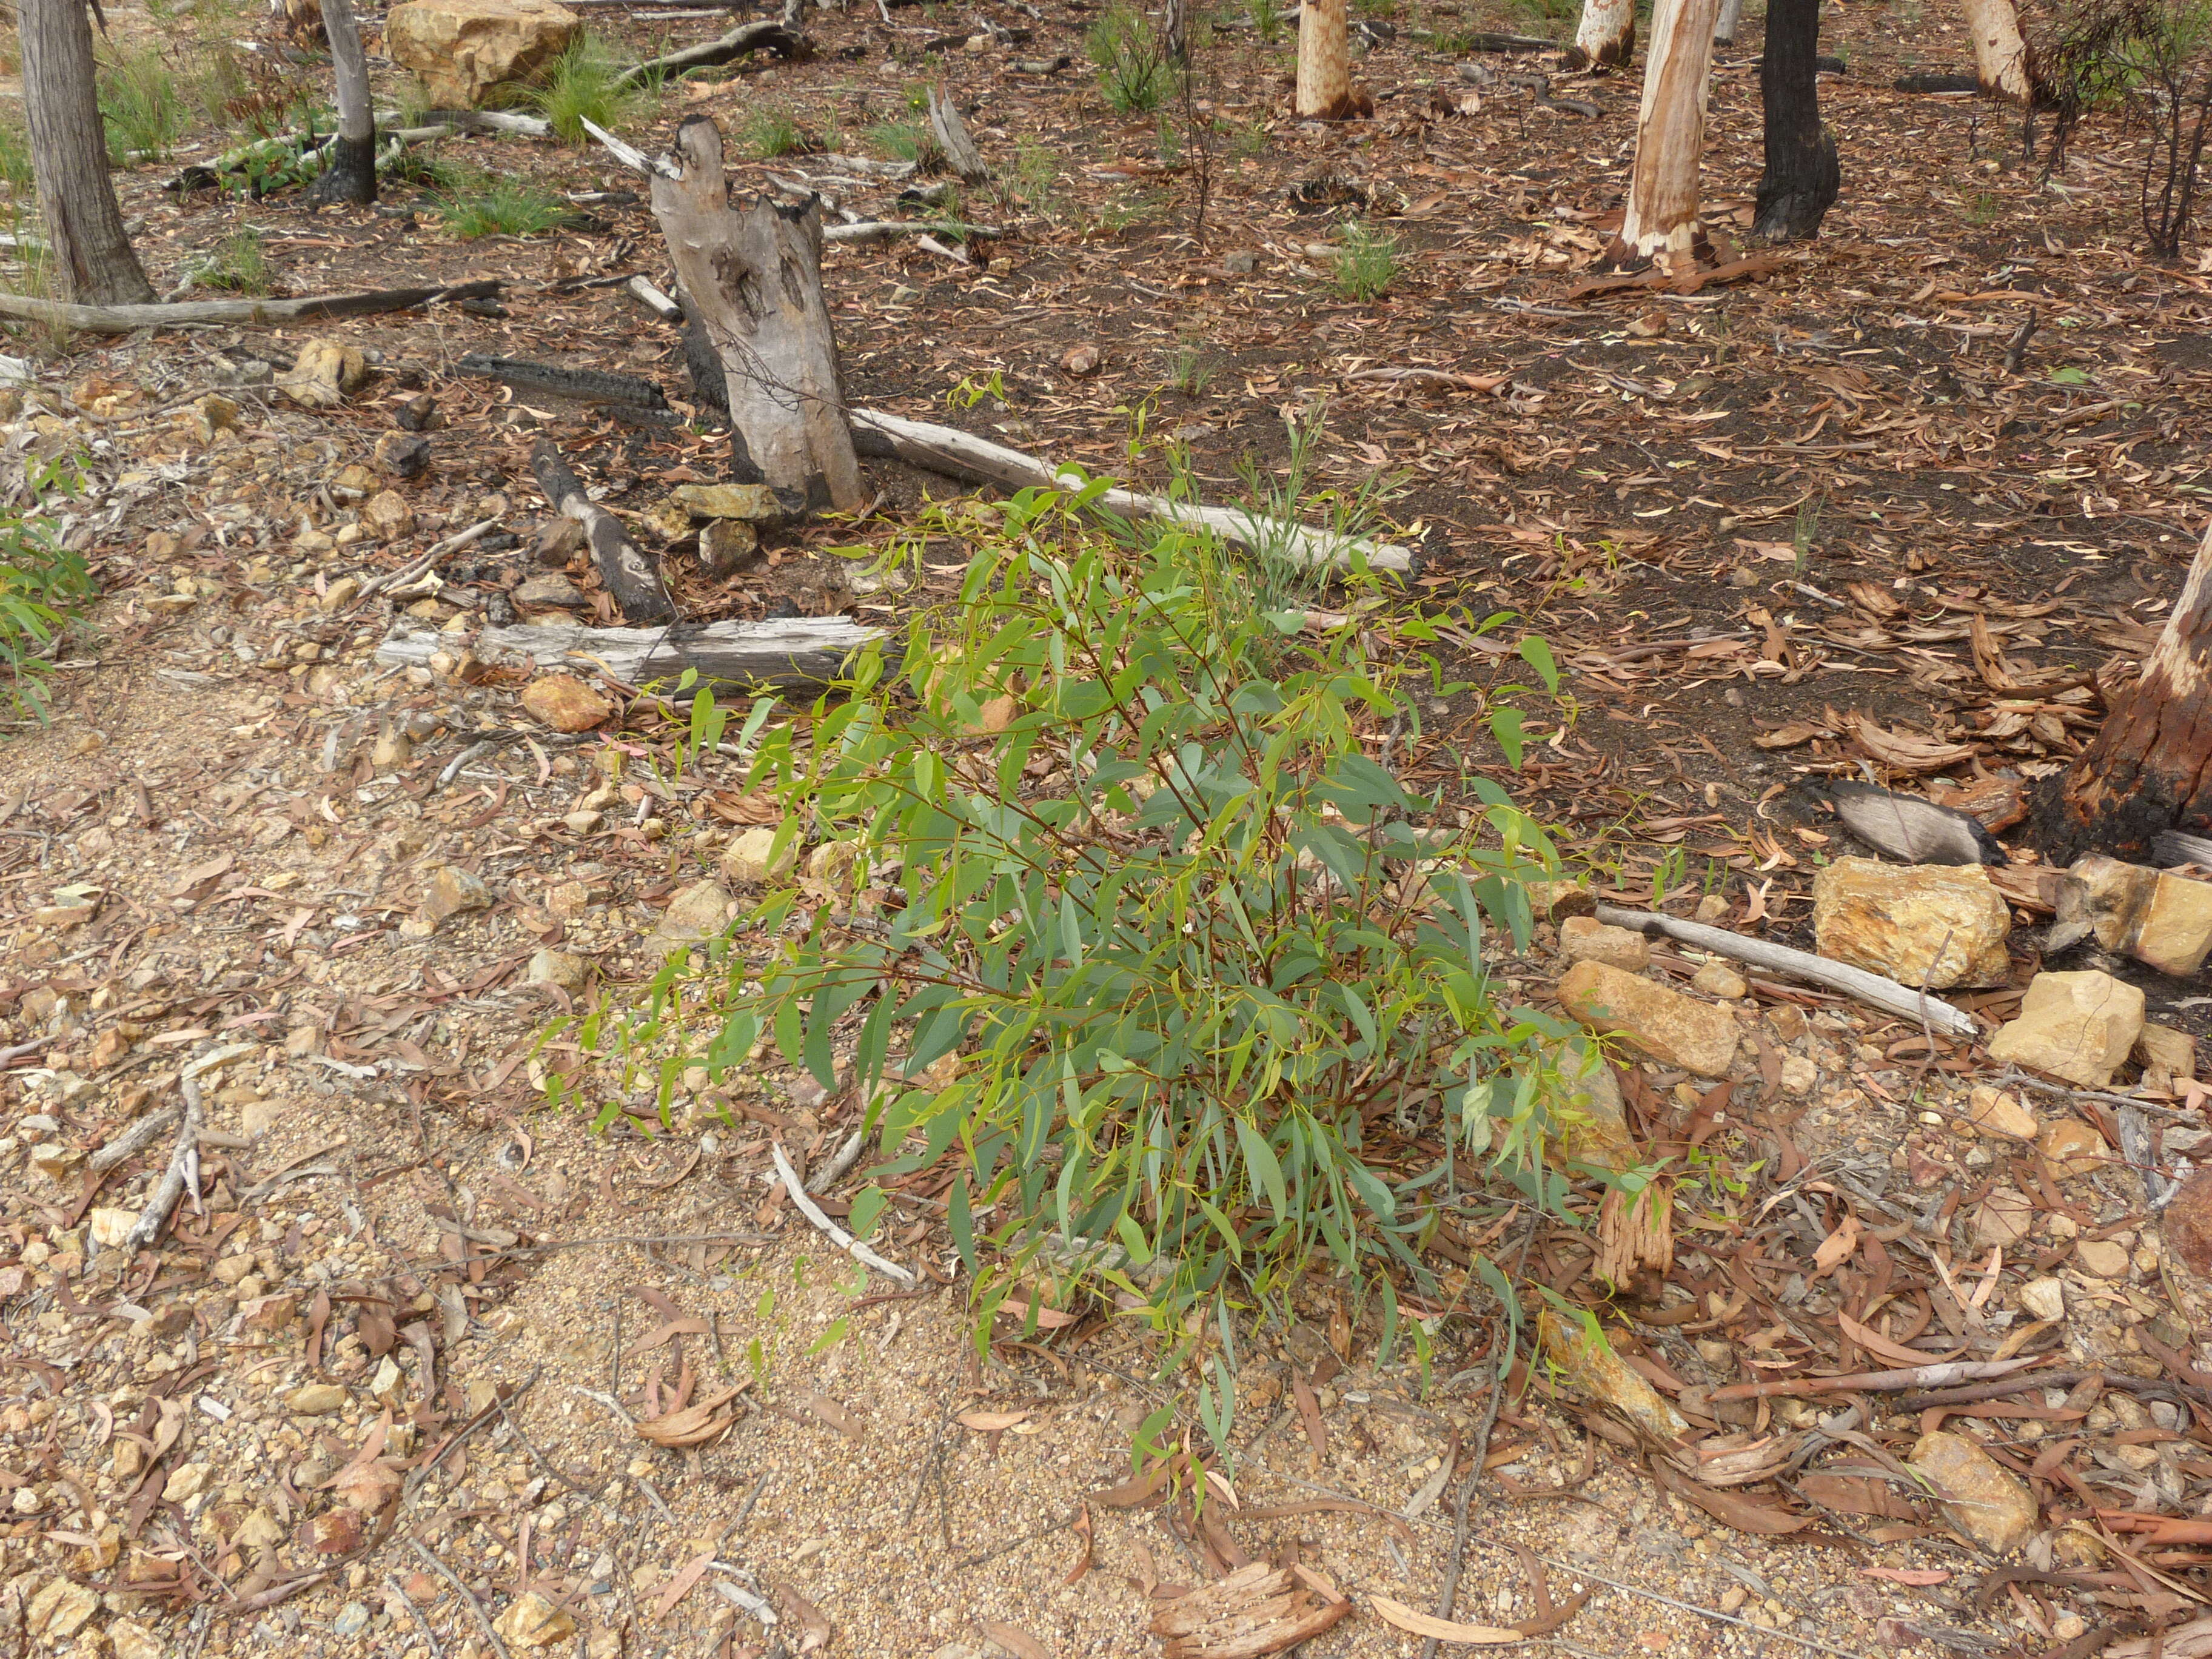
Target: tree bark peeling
x: 1606, y: 36
x: 1662, y: 222
x: 1324, y: 91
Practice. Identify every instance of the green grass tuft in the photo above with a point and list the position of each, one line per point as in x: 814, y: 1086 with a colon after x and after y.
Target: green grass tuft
x: 140, y: 107
x: 501, y: 206
x: 583, y: 83
x: 1134, y: 71
x: 1367, y: 264
x: 769, y: 132
x: 237, y: 264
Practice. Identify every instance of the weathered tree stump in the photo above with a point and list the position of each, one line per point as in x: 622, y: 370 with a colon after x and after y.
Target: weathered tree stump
x: 1803, y: 175
x: 2150, y: 766
x: 752, y: 278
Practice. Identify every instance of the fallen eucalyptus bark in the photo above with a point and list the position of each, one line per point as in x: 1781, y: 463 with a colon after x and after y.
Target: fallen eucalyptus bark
x: 1940, y: 1374
x: 1887, y: 995
x: 790, y: 652
x: 184, y: 1169
x: 626, y: 392
x: 795, y: 1190
x: 125, y: 319
x: 882, y: 230
x: 957, y: 454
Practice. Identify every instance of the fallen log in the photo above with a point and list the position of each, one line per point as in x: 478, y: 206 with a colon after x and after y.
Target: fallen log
x: 264, y: 314
x: 957, y: 454
x: 492, y: 121
x: 1903, y: 1000
x: 790, y: 652
x: 628, y: 574
x: 589, y: 386
x: 778, y: 35
x: 882, y: 230
x: 951, y: 135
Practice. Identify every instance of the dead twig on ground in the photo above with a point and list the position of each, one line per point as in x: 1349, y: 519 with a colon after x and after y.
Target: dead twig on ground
x: 795, y: 1189
x: 467, y: 1595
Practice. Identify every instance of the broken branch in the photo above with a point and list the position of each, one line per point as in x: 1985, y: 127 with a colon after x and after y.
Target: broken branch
x: 259, y: 314
x: 795, y: 1189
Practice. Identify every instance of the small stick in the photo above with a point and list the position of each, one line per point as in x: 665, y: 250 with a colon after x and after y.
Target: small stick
x: 2016, y: 352
x: 468, y: 1598
x: 836, y: 1234
x: 475, y: 751
x: 847, y: 1156
x: 1884, y: 994
x: 416, y: 1612
x: 184, y: 1169
x: 135, y: 1138
x: 654, y: 300
x: 1912, y: 1376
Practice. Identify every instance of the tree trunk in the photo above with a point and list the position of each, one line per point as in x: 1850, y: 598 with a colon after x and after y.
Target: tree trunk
x: 93, y: 263
x: 1731, y: 18
x: 350, y: 173
x: 1324, y: 62
x: 1803, y: 175
x: 2000, y: 55
x: 753, y: 278
x: 2150, y: 767
x: 1607, y: 34
x: 1662, y: 223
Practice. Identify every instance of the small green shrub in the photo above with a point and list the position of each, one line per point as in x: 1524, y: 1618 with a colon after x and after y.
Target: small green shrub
x: 238, y: 265
x: 1267, y: 22
x: 1367, y: 264
x: 1033, y: 181
x: 903, y: 141
x: 499, y: 206
x: 43, y: 586
x: 1214, y: 1012
x: 770, y: 132
x: 585, y: 83
x: 1134, y: 71
x: 422, y: 165
x: 139, y: 106
x: 1190, y: 371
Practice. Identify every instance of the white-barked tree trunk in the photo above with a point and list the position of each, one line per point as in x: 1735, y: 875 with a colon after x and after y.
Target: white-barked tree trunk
x: 1606, y: 33
x: 1662, y: 222
x: 2000, y: 54
x: 1324, y: 62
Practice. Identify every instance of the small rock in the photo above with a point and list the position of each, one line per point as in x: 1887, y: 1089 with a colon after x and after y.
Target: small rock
x: 697, y: 911
x: 340, y: 593
x: 2168, y: 1056
x: 462, y: 50
x: 559, y: 968
x: 1585, y: 938
x: 1240, y: 261
x: 1080, y: 360
x: 420, y: 413
x: 832, y: 861
x: 111, y: 1227
x: 1664, y: 1023
x: 1587, y: 1111
x: 2157, y: 917
x: 2079, y: 1027
x: 583, y: 821
x: 757, y: 504
x: 1787, y: 1020
x: 727, y: 546
x: 132, y: 1640
x: 747, y: 858
x: 1800, y: 1076
x: 212, y: 414
x: 531, y: 1621
x: 557, y: 542
x: 352, y: 1619
x: 323, y: 374
x: 2003, y: 1219
x: 1711, y: 908
x: 402, y: 454
x: 354, y: 482
x: 2043, y: 1299
x: 549, y: 589
x: 58, y: 1611
x: 186, y: 1481
x: 1940, y: 925
x: 1555, y: 901
x: 393, y: 749
x: 316, y: 1398
x: 1984, y: 1500
x: 269, y: 1313
x: 449, y: 890
x: 2103, y: 1258
x: 387, y: 517
x: 2072, y: 1148
x: 2185, y: 1225
x: 565, y: 703
x: 1998, y: 1112
x: 1717, y: 979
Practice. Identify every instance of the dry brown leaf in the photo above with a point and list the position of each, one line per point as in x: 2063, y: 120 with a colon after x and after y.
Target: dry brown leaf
x: 1908, y: 752
x: 1883, y: 1348
x: 1444, y: 1630
x: 831, y: 1412
x: 1012, y: 1639
x: 680, y: 1586
x: 1857, y: 1494
x: 990, y: 1422
x: 1790, y: 734
x: 1837, y: 1247
x: 694, y: 1425
x: 1730, y: 1509
x: 814, y: 1627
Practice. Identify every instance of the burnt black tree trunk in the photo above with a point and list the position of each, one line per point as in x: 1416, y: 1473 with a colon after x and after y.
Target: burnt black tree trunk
x: 1802, y: 175
x: 93, y: 260
x: 350, y: 175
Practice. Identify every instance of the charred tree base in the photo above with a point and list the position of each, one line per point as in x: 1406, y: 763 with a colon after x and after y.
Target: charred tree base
x: 1791, y: 206
x: 349, y: 176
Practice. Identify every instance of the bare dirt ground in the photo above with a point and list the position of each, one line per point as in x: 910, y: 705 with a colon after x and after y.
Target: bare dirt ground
x: 378, y: 1390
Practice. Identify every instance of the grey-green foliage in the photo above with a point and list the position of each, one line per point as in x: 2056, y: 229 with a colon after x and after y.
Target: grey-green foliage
x: 1135, y: 71
x: 1123, y: 855
x: 43, y: 585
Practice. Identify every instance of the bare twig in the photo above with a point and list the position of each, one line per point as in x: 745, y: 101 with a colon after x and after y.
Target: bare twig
x: 796, y: 1189
x: 135, y: 1138
x: 437, y: 1652
x: 467, y: 1595
x: 184, y: 1169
